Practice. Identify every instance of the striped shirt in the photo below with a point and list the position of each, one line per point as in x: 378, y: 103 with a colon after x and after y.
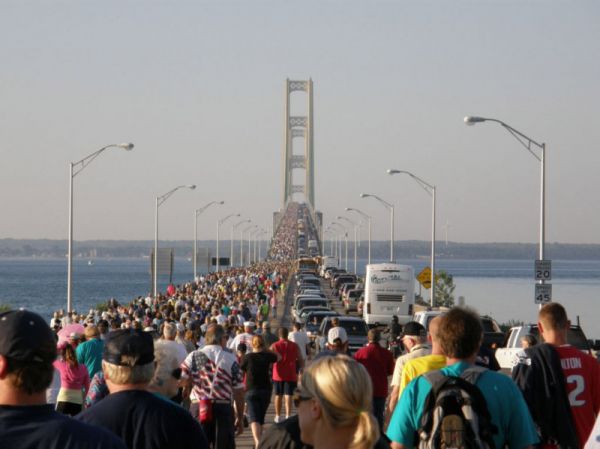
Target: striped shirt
x: 215, y: 373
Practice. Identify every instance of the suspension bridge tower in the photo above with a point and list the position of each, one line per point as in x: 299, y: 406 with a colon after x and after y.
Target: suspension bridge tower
x: 299, y: 127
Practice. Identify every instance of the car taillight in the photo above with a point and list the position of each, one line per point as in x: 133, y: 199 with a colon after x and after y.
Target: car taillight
x: 369, y: 308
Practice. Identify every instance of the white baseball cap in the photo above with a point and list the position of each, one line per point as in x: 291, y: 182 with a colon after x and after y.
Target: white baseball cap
x: 335, y: 333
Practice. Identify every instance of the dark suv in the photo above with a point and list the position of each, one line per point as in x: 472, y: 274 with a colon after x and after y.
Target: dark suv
x: 356, y: 329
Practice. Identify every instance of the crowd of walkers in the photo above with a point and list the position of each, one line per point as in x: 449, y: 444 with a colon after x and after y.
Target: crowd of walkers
x: 195, y: 366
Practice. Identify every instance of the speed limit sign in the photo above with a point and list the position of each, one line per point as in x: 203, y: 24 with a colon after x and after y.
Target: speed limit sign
x: 543, y: 270
x: 543, y: 293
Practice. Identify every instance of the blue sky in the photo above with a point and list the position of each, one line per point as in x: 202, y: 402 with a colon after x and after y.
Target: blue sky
x: 199, y: 88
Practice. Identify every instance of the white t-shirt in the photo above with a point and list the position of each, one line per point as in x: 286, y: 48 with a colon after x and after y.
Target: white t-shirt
x: 301, y: 339
x: 177, y: 348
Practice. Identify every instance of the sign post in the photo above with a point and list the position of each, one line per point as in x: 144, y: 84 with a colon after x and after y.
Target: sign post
x: 543, y: 273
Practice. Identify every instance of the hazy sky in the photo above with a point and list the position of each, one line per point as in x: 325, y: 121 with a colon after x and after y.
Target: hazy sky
x: 199, y: 88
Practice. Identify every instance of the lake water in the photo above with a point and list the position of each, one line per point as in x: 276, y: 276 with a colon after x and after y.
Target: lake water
x: 501, y: 288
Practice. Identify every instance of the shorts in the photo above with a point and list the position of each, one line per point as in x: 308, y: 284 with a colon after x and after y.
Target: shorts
x: 257, y: 402
x: 283, y: 387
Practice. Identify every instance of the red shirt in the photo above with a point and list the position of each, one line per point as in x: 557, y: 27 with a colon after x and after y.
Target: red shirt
x: 379, y: 363
x: 285, y: 369
x: 582, y: 374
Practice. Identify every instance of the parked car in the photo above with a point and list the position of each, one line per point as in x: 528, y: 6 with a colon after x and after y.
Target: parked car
x: 314, y: 319
x: 356, y: 328
x: 305, y: 311
x: 308, y: 302
x: 507, y: 355
x: 352, y: 298
x: 493, y: 337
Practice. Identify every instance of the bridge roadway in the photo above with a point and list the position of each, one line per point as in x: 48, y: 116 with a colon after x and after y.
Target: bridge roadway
x: 284, y: 318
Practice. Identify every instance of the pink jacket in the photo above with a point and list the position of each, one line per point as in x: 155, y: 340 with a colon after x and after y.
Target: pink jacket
x: 73, y: 378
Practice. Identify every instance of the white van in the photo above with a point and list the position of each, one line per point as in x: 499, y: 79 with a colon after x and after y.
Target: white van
x: 389, y: 290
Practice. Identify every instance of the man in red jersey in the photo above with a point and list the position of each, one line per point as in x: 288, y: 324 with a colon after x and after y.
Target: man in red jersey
x: 560, y: 383
x: 285, y: 371
x: 379, y: 363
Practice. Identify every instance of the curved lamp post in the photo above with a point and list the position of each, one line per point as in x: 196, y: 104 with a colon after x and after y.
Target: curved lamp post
x: 355, y: 225
x: 219, y: 223
x: 74, y: 169
x: 527, y: 142
x: 345, y: 230
x: 368, y: 217
x: 242, y: 244
x: 233, y: 228
x: 197, y: 212
x: 159, y: 200
x: 430, y: 189
x: 391, y: 208
x: 251, y: 230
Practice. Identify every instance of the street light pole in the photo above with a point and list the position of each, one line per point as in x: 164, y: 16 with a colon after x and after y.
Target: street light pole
x: 527, y: 142
x: 391, y: 208
x: 197, y: 212
x: 345, y: 240
x: 160, y: 200
x: 219, y: 223
x: 368, y: 217
x: 430, y: 189
x: 74, y: 169
x: 249, y: 245
x: 242, y: 244
x: 233, y: 228
x: 355, y: 239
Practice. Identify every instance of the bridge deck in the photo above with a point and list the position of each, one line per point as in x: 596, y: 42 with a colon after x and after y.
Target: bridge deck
x: 283, y: 318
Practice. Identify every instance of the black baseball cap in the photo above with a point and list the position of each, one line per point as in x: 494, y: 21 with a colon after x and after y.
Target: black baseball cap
x: 414, y: 329
x: 128, y: 347
x: 26, y: 336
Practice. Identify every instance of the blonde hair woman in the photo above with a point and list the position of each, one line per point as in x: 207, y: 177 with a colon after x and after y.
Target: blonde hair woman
x: 334, y: 405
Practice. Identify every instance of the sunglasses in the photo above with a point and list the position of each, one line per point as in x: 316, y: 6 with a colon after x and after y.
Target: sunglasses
x: 298, y: 397
x: 176, y: 373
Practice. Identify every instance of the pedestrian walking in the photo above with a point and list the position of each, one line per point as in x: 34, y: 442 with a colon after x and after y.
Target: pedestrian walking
x: 285, y: 372
x: 379, y: 363
x: 500, y: 405
x: 572, y: 382
x: 216, y: 381
x: 141, y: 419
x: 74, y: 381
x: 256, y: 365
x: 27, y: 353
x: 334, y: 405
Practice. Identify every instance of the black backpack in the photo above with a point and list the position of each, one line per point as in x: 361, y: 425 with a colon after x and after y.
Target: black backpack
x: 455, y: 413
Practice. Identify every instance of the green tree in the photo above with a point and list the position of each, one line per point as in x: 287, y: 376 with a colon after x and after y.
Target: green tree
x: 5, y: 307
x: 444, y: 289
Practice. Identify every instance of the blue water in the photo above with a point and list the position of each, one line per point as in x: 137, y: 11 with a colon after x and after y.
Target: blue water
x: 501, y: 288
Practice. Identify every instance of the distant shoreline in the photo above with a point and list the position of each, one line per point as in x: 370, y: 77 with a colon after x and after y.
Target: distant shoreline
x: 404, y: 249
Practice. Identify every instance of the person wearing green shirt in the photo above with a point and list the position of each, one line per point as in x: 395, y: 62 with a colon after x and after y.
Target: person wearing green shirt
x: 460, y: 334
x: 90, y: 351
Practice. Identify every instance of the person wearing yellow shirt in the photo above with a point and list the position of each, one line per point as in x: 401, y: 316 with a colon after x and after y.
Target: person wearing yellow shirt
x: 436, y: 360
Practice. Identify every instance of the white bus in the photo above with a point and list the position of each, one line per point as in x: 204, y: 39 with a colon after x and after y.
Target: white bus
x: 389, y: 291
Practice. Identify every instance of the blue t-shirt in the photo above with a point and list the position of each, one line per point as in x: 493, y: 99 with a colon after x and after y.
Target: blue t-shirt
x: 504, y: 401
x: 37, y: 426
x: 90, y: 354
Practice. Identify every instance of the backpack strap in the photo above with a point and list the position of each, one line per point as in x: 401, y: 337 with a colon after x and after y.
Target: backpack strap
x: 472, y: 373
